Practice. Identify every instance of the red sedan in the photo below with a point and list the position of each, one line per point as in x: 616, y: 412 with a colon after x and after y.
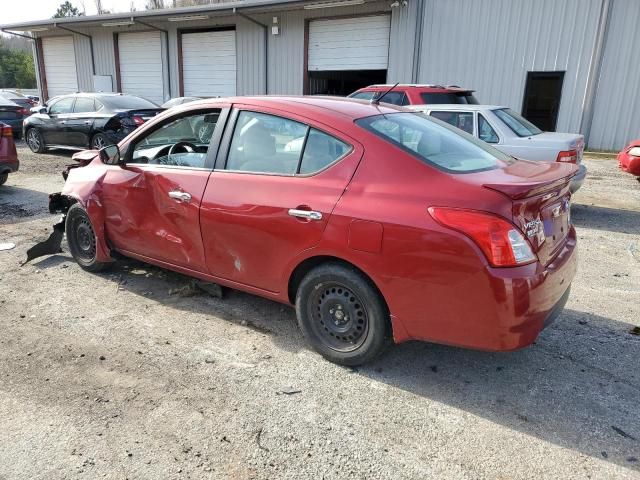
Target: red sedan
x: 8, y: 155
x: 629, y: 158
x: 375, y: 222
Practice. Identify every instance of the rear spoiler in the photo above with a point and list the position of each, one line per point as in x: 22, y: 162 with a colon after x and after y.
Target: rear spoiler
x: 529, y: 189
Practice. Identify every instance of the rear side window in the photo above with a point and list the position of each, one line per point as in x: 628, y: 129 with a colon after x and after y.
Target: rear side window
x: 518, y: 124
x: 263, y: 143
x: 83, y: 105
x: 448, y: 98
x: 435, y: 142
x: 363, y: 95
x: 395, y: 98
x: 320, y: 151
x: 461, y: 120
x: 486, y: 133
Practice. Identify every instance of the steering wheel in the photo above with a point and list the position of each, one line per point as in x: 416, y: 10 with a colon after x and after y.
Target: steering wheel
x: 186, y: 146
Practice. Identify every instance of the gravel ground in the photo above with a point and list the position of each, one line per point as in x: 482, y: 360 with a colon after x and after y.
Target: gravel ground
x: 117, y: 375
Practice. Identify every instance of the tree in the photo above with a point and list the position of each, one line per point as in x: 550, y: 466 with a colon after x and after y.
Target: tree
x: 154, y: 4
x: 66, y: 9
x: 16, y: 68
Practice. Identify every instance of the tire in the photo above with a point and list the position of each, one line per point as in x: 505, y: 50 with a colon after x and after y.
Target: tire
x: 99, y: 140
x: 3, y: 178
x: 35, y: 141
x: 342, y: 315
x: 82, y: 239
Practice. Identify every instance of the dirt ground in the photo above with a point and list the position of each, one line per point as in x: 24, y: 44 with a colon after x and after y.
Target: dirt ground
x: 118, y: 375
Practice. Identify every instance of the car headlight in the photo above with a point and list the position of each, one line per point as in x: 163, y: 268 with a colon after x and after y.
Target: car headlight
x: 635, y: 151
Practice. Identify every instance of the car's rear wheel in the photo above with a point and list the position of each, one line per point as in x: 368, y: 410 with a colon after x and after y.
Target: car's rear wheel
x: 35, y: 141
x: 342, y: 315
x: 82, y: 239
x: 99, y: 141
x: 3, y: 178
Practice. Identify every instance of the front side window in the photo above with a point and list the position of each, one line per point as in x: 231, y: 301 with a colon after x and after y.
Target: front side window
x: 486, y: 131
x: 263, y: 143
x: 461, y: 120
x: 183, y: 142
x: 435, y: 142
x: 517, y: 123
x: 63, y: 105
x: 84, y: 105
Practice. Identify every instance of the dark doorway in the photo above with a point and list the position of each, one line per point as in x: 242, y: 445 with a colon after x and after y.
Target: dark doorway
x: 542, y: 99
x: 343, y: 82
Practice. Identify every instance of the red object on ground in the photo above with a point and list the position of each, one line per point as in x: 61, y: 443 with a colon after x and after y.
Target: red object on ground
x: 475, y: 257
x: 8, y: 155
x: 629, y: 158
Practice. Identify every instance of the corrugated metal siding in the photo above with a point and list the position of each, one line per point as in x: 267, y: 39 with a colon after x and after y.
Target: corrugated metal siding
x: 490, y: 46
x: 83, y: 63
x: 251, y: 76
x: 616, y: 118
x: 402, y: 43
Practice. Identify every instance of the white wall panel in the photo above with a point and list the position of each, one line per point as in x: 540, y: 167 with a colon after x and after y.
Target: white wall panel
x: 60, y: 65
x: 209, y: 63
x: 141, y: 66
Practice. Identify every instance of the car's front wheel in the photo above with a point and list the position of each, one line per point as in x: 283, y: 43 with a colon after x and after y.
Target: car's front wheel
x: 82, y: 239
x: 35, y: 141
x: 342, y: 315
x: 3, y: 178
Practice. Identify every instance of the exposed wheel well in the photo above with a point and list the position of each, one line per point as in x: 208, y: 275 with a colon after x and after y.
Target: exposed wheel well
x: 310, y: 263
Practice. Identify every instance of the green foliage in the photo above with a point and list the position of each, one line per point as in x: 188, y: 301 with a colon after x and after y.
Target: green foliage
x: 66, y: 9
x: 16, y: 68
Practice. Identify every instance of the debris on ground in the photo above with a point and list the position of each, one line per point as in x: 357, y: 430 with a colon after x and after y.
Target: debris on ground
x: 197, y: 287
x: 7, y: 246
x: 635, y: 331
x: 621, y: 432
x: 289, y: 391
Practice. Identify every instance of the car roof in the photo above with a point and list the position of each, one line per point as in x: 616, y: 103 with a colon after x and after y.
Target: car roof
x: 309, y: 106
x: 456, y: 106
x: 417, y: 86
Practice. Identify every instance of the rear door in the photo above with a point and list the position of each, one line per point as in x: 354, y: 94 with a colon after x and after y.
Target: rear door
x: 80, y: 122
x: 275, y: 185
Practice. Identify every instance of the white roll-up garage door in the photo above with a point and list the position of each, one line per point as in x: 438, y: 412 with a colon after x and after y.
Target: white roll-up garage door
x: 209, y: 63
x: 60, y: 65
x: 141, y: 65
x: 360, y: 43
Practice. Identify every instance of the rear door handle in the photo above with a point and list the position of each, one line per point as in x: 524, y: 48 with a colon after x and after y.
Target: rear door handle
x: 62, y: 122
x: 308, y: 214
x: 182, y: 196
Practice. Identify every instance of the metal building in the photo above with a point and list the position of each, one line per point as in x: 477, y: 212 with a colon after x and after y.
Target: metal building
x: 568, y: 65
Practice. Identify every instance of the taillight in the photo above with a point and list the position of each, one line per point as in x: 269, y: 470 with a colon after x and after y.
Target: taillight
x: 138, y: 120
x: 568, y: 156
x: 500, y: 241
x: 24, y: 112
x: 5, y: 131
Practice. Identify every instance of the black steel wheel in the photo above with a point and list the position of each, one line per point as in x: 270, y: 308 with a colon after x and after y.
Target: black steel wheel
x: 35, y: 141
x: 342, y: 314
x: 82, y: 239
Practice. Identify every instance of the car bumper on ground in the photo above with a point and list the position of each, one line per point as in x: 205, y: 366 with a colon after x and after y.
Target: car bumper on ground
x: 578, y: 179
x: 497, y: 309
x: 629, y: 163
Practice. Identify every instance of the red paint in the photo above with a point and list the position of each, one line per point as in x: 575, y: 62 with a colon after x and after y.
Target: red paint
x: 414, y: 92
x: 630, y: 163
x: 437, y: 282
x: 8, y: 154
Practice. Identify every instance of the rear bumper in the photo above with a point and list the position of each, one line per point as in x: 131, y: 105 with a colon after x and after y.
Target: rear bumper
x: 578, y: 179
x: 16, y: 127
x: 499, y: 309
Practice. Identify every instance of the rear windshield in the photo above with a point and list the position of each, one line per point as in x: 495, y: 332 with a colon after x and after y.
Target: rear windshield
x: 435, y: 142
x: 518, y: 124
x: 128, y: 102
x: 449, y: 98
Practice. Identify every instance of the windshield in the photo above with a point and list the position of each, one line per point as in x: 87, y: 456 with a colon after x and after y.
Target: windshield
x: 518, y: 124
x: 449, y: 98
x: 435, y: 142
x: 127, y: 102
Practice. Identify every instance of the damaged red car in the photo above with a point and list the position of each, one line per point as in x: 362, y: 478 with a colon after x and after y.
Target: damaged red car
x: 377, y: 223
x: 629, y: 158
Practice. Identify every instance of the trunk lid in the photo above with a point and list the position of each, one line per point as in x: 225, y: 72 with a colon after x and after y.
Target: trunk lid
x: 562, y: 141
x: 146, y: 114
x: 540, y: 196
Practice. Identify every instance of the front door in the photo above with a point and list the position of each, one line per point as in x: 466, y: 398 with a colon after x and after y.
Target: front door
x: 152, y: 204
x: 271, y: 195
x: 542, y: 99
x: 53, y: 126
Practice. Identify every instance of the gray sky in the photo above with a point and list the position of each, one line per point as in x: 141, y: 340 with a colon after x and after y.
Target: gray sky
x: 12, y: 11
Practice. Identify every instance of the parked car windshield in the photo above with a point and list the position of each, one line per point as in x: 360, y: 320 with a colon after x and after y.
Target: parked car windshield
x: 435, y: 142
x: 518, y: 124
x: 449, y: 98
x: 128, y: 102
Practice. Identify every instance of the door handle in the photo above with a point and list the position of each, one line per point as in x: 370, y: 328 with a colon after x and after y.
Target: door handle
x: 87, y: 122
x: 181, y: 196
x: 307, y: 214
x: 62, y: 122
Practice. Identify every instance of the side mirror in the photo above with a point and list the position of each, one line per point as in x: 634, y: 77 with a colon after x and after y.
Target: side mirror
x: 110, y: 155
x: 39, y: 109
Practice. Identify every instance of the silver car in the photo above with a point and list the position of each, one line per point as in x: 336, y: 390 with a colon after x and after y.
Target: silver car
x: 514, y: 135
